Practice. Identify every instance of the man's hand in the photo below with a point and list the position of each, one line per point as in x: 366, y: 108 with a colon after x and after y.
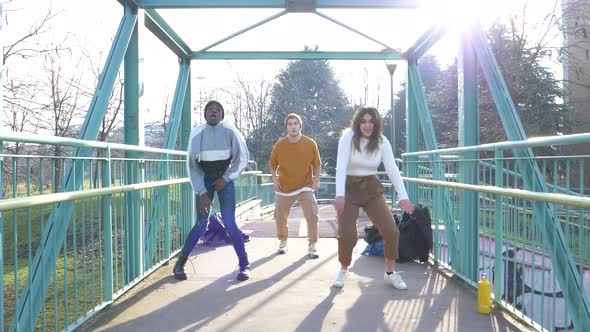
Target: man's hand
x: 339, y: 204
x: 276, y: 185
x: 316, y: 185
x: 219, y: 184
x: 204, y: 203
x: 407, y: 206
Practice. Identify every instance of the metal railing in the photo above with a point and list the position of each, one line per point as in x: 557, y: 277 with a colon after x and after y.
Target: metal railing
x: 531, y: 239
x: 113, y: 239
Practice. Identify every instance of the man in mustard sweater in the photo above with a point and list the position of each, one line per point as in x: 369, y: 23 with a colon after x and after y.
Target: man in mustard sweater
x: 297, y: 160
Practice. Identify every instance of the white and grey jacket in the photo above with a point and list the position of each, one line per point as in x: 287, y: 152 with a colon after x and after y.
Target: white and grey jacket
x: 215, y: 143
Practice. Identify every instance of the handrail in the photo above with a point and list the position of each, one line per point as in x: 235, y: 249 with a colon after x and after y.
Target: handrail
x: 529, y: 143
x: 32, y: 201
x: 74, y: 142
x: 583, y: 202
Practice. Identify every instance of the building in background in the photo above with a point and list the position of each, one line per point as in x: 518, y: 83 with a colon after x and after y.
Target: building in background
x: 576, y: 56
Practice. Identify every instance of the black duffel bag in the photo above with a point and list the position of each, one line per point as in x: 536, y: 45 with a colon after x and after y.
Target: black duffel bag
x: 415, y: 235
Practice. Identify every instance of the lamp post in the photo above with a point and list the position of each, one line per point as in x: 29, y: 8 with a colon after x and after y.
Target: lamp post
x: 391, y: 69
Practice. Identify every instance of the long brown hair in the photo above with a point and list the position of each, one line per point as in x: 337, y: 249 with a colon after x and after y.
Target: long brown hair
x: 375, y: 138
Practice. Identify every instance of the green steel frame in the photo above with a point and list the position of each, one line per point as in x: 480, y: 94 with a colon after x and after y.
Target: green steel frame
x: 54, y: 235
x: 468, y: 113
x: 561, y: 256
x: 475, y: 52
x: 1, y: 169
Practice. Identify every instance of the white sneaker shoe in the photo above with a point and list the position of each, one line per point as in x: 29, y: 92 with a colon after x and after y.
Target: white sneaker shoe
x: 340, y: 278
x: 283, y: 248
x: 312, y: 251
x: 396, y: 280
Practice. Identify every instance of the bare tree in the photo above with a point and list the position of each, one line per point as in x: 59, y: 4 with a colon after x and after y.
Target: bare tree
x: 21, y: 109
x: 19, y: 98
x: 250, y: 101
x: 563, y: 19
x: 27, y: 44
x: 21, y: 106
x: 63, y: 101
x: 115, y: 106
x: 111, y: 119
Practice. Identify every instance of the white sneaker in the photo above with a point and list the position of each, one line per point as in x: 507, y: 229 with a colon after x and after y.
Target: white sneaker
x: 396, y: 280
x: 312, y: 251
x: 340, y: 278
x: 283, y: 248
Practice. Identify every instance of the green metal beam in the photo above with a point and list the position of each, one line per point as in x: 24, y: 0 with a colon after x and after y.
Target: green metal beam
x: 36, y: 201
x: 177, y: 105
x: 172, y: 128
x: 186, y: 121
x: 1, y: 219
x: 184, y: 221
x: 255, y: 25
x: 1, y: 175
x: 412, y: 136
x: 164, y: 32
x: 33, y: 295
x: 297, y: 55
x: 564, y: 266
x: 133, y: 129
x: 369, y: 4
x: 416, y: 85
x: 45, y: 199
x: 527, y: 143
x: 355, y: 31
x: 499, y: 227
x: 468, y: 123
x: 277, y: 4
x: 562, y: 199
x: 425, y: 42
x: 75, y: 142
x: 108, y: 228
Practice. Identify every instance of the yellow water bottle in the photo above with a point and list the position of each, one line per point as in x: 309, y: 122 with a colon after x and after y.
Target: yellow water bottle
x: 484, y: 298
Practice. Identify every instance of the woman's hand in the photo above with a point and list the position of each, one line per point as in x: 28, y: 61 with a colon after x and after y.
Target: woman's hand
x: 339, y: 204
x: 407, y: 206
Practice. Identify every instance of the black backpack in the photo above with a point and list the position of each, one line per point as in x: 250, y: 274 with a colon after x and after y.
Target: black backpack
x: 371, y: 234
x: 415, y: 235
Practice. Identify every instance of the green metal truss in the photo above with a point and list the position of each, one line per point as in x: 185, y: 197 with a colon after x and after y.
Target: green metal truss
x: 561, y: 256
x: 468, y: 123
x: 33, y: 295
x: 444, y: 205
x: 161, y: 195
x: 2, y: 170
x: 293, y: 5
x: 125, y: 45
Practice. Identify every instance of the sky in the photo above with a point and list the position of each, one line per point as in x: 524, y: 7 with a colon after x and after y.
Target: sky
x: 90, y: 25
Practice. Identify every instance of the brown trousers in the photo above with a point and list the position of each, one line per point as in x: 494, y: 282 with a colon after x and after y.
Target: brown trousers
x: 365, y: 192
x: 309, y: 206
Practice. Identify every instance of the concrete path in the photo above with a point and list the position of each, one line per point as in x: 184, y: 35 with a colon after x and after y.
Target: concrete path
x: 291, y: 292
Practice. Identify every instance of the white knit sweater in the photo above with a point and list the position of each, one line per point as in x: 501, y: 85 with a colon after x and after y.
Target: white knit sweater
x: 352, y: 162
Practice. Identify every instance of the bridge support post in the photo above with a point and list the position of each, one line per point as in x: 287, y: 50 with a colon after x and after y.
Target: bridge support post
x: 468, y: 124
x: 133, y: 169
